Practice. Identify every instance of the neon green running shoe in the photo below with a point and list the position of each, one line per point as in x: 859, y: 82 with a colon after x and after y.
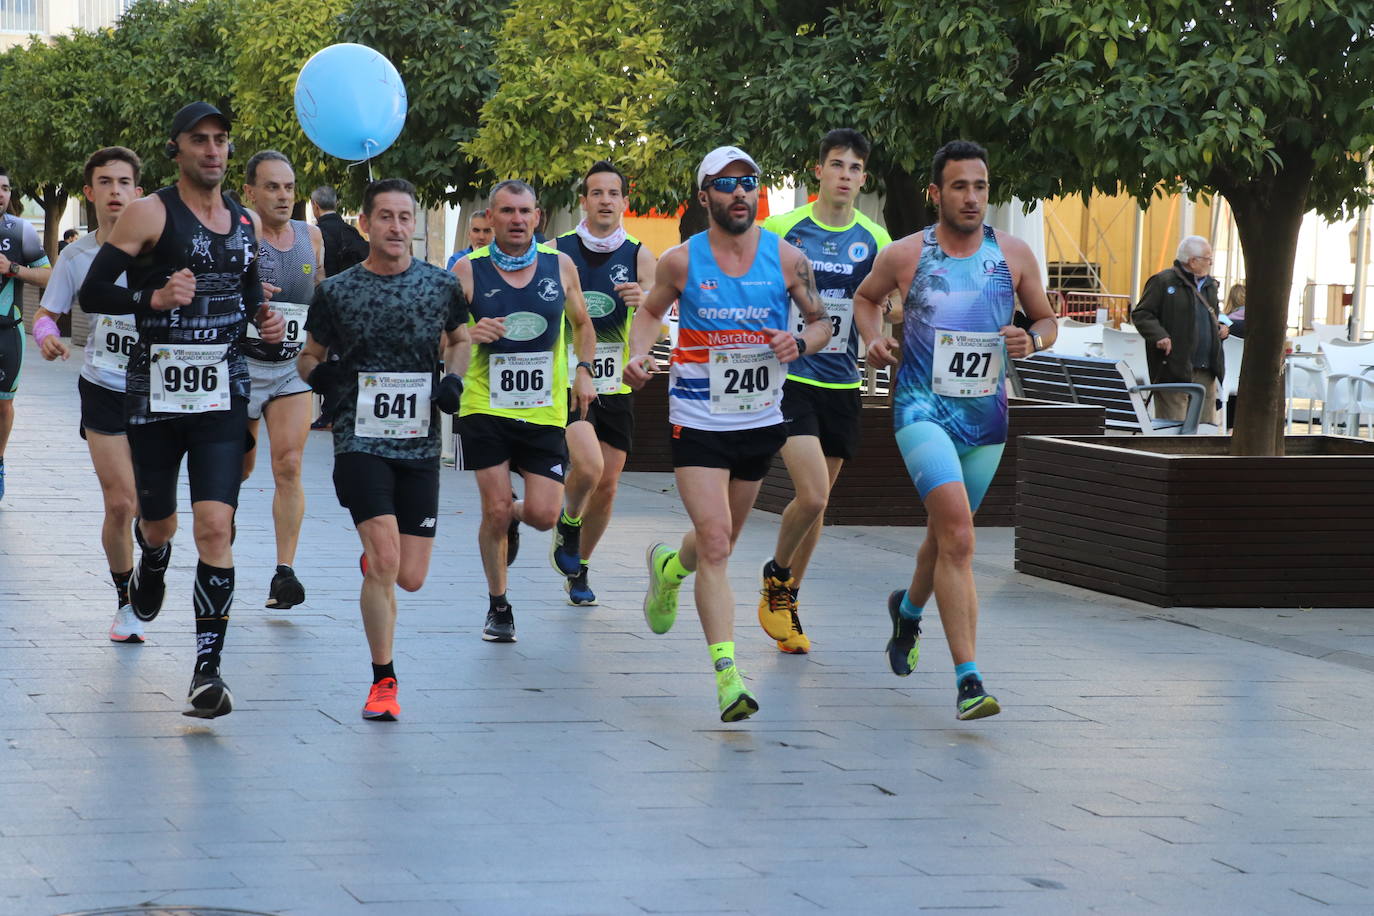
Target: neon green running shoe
x: 736, y: 702
x: 660, y: 601
x: 974, y: 701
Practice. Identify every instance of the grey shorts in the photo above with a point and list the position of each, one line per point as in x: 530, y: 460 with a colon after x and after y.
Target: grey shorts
x: 271, y: 381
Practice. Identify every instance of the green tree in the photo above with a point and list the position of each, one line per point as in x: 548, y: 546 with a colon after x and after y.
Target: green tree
x: 577, y: 83
x: 45, y: 154
x: 443, y: 50
x: 276, y: 39
x: 1270, y: 105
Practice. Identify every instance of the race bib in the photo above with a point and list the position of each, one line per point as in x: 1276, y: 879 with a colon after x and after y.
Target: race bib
x: 744, y: 381
x: 294, y: 313
x: 112, y: 342
x: 521, y: 381
x: 393, y: 405
x: 606, y: 366
x: 967, y: 364
x: 189, y: 378
x: 840, y: 313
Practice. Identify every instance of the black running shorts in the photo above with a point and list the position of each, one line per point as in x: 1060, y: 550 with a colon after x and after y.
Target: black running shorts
x: 746, y: 453
x: 212, y: 444
x: 613, y: 418
x: 102, y: 410
x: 369, y: 486
x: 830, y: 414
x: 531, y: 447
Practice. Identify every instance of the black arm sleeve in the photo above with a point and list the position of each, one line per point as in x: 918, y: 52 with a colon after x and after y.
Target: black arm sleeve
x: 252, y: 290
x: 101, y: 295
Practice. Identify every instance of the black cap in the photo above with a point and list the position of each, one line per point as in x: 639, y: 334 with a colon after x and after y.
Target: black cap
x: 192, y: 115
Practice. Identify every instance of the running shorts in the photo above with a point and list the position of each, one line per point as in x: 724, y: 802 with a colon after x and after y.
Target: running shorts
x: 613, y: 418
x: 830, y: 414
x: 746, y: 453
x: 370, y: 486
x: 532, y: 447
x: 212, y: 444
x: 933, y: 459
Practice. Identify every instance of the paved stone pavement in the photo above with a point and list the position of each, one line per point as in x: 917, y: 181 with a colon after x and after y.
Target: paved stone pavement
x: 1140, y: 766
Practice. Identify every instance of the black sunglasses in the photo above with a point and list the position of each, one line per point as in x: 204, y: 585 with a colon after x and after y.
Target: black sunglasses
x: 728, y: 184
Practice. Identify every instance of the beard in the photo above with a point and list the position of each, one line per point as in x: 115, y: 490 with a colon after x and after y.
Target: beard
x: 721, y: 216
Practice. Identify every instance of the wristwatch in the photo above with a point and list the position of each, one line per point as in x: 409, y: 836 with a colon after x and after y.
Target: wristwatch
x: 801, y: 344
x: 584, y: 365
x: 1037, y: 342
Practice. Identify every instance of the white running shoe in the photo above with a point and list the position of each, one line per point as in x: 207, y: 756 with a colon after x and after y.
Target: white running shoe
x: 126, y: 627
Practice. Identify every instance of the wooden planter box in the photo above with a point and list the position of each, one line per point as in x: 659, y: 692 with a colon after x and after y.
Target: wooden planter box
x: 874, y: 488
x: 1178, y: 522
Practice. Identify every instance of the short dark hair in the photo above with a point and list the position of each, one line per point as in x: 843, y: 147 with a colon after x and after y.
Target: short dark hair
x: 603, y: 166
x: 511, y: 184
x: 846, y: 138
x: 70, y: 234
x: 325, y: 197
x: 386, y: 186
x: 250, y: 171
x: 954, y: 151
x: 112, y: 154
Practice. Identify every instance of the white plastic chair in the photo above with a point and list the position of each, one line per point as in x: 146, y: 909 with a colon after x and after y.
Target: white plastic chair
x: 1349, y: 384
x: 1307, y: 343
x: 1233, y: 349
x: 1128, y: 346
x: 1304, y: 379
x: 1324, y: 332
x: 1074, y: 338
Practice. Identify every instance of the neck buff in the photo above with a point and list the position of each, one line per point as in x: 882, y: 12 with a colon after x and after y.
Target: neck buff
x: 513, y: 262
x: 603, y: 246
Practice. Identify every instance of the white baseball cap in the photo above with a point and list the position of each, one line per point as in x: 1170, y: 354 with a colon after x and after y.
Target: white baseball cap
x: 714, y: 162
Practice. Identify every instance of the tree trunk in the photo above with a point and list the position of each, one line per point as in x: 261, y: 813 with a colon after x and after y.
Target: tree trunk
x: 904, y: 209
x: 1268, y: 218
x: 54, y: 206
x: 693, y: 220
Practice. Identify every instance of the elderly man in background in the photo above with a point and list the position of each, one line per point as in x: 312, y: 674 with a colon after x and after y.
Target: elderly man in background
x: 1178, y: 316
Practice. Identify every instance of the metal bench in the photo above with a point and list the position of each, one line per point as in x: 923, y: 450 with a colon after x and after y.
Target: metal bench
x: 1105, y: 383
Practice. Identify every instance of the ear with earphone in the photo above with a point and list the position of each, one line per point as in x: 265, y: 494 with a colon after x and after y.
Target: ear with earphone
x: 171, y: 149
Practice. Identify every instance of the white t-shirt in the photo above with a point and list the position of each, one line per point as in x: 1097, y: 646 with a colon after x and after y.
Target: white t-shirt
x: 109, y: 333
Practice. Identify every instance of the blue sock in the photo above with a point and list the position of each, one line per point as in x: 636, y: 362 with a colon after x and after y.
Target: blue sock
x: 909, y: 610
x: 965, y: 670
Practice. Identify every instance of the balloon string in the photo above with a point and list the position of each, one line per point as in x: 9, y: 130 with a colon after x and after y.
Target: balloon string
x: 367, y: 145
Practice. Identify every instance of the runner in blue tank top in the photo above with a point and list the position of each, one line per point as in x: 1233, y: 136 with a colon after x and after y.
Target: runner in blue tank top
x: 291, y: 259
x: 733, y: 283
x: 821, y: 400
x: 960, y: 279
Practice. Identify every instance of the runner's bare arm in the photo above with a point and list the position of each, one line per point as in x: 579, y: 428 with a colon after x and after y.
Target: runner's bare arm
x: 634, y: 293
x: 1030, y: 290
x: 317, y: 244
x: 584, y: 334
x: 670, y: 276
x: 312, y: 354
x: 801, y: 285
x: 869, y: 301
x: 457, y: 346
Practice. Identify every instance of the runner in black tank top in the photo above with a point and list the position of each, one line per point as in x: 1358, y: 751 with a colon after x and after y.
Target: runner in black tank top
x: 190, y: 255
x: 291, y: 253
x: 615, y: 270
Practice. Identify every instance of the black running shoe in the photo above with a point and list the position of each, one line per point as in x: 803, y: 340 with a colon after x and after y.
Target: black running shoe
x: 286, y: 590
x: 147, y: 585
x: 500, y: 625
x: 579, y: 592
x: 974, y: 702
x: 566, y: 548
x: 513, y: 536
x: 209, y: 697
x: 905, y: 645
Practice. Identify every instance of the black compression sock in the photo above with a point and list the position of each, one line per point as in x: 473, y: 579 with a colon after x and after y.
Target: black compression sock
x: 781, y: 573
x: 379, y: 672
x: 497, y: 601
x: 214, y: 594
x: 121, y: 584
x: 155, y: 558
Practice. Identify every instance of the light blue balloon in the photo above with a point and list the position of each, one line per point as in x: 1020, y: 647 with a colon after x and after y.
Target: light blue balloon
x: 350, y: 101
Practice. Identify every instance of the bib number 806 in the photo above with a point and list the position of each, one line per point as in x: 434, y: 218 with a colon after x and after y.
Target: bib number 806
x: 190, y: 379
x: 522, y: 379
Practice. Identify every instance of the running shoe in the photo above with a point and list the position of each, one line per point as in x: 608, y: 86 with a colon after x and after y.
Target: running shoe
x: 209, y: 697
x: 381, y: 705
x: 286, y: 590
x: 564, y: 551
x: 974, y: 702
x: 513, y: 535
x: 579, y: 592
x: 904, y: 648
x: 778, y: 613
x: 736, y: 702
x: 126, y: 627
x: 2, y: 480
x: 500, y: 625
x: 147, y: 585
x: 660, y: 601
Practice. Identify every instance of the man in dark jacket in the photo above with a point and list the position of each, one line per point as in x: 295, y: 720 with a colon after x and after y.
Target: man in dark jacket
x: 1177, y: 315
x: 343, y: 246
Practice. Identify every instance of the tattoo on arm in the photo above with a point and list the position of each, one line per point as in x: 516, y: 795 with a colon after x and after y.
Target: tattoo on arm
x: 809, y: 302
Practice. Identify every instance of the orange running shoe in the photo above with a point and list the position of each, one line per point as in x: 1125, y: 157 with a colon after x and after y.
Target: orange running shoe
x: 381, y: 704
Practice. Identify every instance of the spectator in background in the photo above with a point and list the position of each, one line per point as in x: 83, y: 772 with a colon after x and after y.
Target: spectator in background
x: 1178, y: 316
x: 67, y: 238
x: 479, y: 236
x: 1233, y: 316
x: 343, y: 246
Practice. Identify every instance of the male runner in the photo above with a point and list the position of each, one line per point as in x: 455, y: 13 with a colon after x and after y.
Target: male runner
x: 22, y: 260
x: 479, y: 236
x: 733, y: 282
x: 384, y: 319
x: 112, y: 176
x: 821, y: 399
x: 515, y: 394
x: 191, y: 256
x: 960, y: 279
x: 615, y: 269
x: 290, y: 254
